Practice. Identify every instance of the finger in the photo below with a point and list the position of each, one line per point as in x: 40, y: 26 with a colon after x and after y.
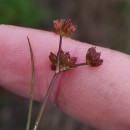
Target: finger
x: 15, y: 67
x: 97, y: 96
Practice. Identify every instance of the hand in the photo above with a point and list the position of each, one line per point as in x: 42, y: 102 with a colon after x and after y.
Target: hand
x: 97, y: 96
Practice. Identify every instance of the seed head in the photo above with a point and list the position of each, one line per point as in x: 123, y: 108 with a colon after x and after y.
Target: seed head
x: 64, y: 27
x: 66, y: 62
x: 93, y: 57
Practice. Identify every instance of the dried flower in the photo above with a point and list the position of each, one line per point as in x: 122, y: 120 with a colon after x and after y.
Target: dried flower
x: 93, y: 57
x: 66, y: 62
x: 64, y: 27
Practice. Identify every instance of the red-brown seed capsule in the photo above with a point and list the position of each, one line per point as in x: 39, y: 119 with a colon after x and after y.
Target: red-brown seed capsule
x: 66, y: 62
x: 64, y: 27
x: 93, y: 57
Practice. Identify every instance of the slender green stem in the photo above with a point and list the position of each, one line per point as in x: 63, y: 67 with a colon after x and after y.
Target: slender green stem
x: 31, y: 88
x: 45, y: 100
x: 58, y: 55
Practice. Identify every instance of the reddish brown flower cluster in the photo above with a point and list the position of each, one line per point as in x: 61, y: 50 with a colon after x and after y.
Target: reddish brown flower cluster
x: 64, y: 27
x: 66, y: 62
x: 63, y: 61
x: 93, y: 57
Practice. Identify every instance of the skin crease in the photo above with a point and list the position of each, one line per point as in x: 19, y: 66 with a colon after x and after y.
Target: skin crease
x: 97, y: 96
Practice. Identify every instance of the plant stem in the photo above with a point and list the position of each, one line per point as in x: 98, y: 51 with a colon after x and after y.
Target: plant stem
x: 43, y: 105
x: 58, y: 55
x: 80, y: 64
x: 31, y: 88
x: 45, y: 100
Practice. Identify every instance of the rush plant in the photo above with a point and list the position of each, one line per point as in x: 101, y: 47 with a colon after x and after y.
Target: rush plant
x: 60, y: 62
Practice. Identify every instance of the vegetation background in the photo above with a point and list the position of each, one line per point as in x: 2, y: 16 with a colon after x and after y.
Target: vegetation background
x: 100, y: 22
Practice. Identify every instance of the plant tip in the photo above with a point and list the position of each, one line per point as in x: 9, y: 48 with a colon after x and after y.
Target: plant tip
x: 64, y: 27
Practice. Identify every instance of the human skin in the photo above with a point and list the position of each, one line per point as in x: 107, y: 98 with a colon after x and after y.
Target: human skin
x: 98, y: 96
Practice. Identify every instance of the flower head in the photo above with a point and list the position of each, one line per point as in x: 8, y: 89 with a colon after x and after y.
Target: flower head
x: 93, y: 57
x: 66, y: 62
x: 64, y: 27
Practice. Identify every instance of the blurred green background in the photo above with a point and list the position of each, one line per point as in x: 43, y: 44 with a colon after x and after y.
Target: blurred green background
x: 105, y: 23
